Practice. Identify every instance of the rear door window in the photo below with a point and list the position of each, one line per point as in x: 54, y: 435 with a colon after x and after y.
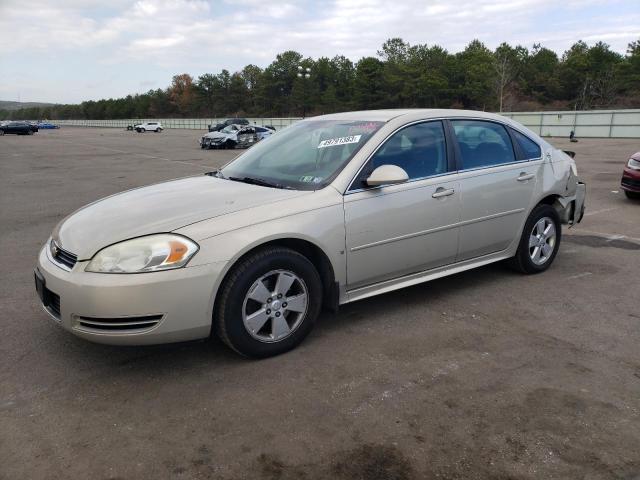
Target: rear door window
x: 482, y: 144
x: 530, y: 149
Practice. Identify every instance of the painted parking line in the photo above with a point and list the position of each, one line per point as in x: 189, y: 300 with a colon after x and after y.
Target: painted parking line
x: 579, y: 275
x: 603, y: 210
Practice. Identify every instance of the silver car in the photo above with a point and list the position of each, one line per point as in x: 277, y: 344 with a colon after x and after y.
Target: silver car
x: 331, y: 210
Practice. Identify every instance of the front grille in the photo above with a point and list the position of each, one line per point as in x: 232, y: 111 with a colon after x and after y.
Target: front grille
x: 119, y: 324
x: 53, y: 301
x: 63, y: 256
x: 630, y: 182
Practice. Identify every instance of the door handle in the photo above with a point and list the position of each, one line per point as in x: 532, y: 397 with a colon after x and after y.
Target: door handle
x: 441, y: 192
x: 525, y: 176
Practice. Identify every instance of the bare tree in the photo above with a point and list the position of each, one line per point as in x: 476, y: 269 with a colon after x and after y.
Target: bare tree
x: 603, y: 88
x: 505, y: 73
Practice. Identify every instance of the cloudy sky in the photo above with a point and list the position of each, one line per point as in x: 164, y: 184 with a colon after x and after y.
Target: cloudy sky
x: 74, y: 50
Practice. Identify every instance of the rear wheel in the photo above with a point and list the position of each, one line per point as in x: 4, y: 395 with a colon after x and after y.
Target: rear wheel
x: 632, y: 195
x: 142, y: 130
x: 269, y: 303
x: 29, y: 132
x: 1, y: 132
x: 539, y: 242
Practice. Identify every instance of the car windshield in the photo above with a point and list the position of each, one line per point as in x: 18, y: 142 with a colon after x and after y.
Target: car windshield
x: 305, y: 156
x: 229, y: 129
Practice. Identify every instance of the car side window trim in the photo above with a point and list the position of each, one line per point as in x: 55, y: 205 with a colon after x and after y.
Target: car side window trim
x: 454, y: 139
x: 516, y: 145
x: 448, y: 151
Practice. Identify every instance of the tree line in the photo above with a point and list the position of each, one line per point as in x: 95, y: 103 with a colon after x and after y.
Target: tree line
x: 401, y: 75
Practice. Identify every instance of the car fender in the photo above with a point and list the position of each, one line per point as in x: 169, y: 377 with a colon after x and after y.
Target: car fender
x: 322, y: 227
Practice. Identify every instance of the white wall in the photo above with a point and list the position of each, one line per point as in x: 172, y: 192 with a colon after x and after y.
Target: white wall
x: 592, y: 123
x: 188, y: 123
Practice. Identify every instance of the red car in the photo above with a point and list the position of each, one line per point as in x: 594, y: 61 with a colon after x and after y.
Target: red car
x: 631, y: 177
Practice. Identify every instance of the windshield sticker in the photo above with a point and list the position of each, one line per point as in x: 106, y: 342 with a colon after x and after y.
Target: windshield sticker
x: 339, y: 141
x: 310, y: 179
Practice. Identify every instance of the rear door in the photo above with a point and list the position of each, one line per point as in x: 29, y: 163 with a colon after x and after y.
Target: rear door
x: 496, y: 185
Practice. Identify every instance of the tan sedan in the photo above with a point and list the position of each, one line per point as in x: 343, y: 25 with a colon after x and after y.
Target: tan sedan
x: 328, y: 211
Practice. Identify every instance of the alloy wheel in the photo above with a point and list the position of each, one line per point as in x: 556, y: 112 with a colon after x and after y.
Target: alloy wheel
x: 275, y: 306
x: 542, y: 241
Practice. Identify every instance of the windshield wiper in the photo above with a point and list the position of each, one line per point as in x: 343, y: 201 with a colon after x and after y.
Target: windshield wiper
x: 258, y: 181
x: 215, y: 173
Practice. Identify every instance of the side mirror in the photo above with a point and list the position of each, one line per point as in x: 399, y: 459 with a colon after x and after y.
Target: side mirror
x: 387, y: 175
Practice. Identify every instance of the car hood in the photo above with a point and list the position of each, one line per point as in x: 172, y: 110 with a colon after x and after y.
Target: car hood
x: 219, y: 135
x: 159, y: 208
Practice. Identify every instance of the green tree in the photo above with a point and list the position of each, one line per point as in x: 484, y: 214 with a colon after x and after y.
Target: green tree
x: 474, y: 73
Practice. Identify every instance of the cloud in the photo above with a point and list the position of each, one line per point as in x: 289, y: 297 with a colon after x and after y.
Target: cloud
x: 128, y: 39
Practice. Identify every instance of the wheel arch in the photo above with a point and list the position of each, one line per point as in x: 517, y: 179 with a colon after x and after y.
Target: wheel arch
x: 304, y: 247
x: 559, y: 203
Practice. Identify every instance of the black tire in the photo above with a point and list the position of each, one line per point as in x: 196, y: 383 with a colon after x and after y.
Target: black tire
x: 229, y: 145
x: 158, y: 130
x: 522, y: 261
x: 142, y: 130
x: 632, y: 195
x: 1, y: 132
x: 228, y: 322
x: 29, y: 132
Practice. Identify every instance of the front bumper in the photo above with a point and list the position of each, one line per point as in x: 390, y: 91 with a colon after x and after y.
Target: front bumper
x: 206, y: 142
x: 131, y: 309
x: 630, y: 180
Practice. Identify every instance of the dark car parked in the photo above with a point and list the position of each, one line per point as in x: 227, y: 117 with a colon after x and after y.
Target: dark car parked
x: 631, y: 177
x: 227, y: 122
x: 18, y: 128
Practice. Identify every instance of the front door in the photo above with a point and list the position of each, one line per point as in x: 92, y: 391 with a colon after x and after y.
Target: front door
x: 396, y: 230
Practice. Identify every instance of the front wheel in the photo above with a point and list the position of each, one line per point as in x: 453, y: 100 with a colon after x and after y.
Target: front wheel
x: 539, y: 242
x: 269, y: 303
x: 158, y: 130
x: 632, y: 195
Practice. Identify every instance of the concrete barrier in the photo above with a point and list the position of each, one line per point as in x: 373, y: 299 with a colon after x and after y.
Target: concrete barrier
x: 590, y: 123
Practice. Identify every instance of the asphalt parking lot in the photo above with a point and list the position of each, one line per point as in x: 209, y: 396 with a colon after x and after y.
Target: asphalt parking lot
x: 487, y: 374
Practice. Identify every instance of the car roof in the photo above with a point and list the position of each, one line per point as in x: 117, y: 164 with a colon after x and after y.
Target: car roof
x: 417, y: 114
x: 389, y: 114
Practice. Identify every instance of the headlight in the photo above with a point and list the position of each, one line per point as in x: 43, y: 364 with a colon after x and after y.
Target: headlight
x: 634, y: 164
x: 144, y: 254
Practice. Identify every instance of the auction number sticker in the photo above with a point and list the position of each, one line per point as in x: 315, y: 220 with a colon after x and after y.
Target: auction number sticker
x: 339, y: 141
